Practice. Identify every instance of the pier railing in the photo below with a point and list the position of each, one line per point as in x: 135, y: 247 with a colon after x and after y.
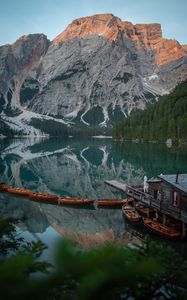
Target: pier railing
x: 148, y: 200
x: 139, y: 195
x: 162, y: 205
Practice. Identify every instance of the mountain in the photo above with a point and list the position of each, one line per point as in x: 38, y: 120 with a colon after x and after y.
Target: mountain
x: 165, y: 120
x: 97, y: 71
x: 17, y: 62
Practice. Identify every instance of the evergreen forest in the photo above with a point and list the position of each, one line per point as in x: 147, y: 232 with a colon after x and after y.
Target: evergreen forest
x: 164, y: 119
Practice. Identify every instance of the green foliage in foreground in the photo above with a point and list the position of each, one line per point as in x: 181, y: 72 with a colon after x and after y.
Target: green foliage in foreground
x: 164, y: 119
x: 107, y: 272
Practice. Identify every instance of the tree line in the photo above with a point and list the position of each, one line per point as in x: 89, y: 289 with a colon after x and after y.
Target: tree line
x: 164, y: 119
x: 57, y: 129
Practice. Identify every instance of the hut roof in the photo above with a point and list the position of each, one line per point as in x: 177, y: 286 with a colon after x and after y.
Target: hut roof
x: 181, y: 183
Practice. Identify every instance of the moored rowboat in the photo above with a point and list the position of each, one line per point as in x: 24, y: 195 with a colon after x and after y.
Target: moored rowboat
x: 161, y: 229
x: 75, y: 201
x: 4, y: 186
x: 19, y: 191
x: 143, y: 210
x: 45, y: 197
x: 113, y: 202
x: 131, y: 214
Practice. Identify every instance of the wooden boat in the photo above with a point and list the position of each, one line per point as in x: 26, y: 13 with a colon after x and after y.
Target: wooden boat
x: 44, y: 197
x: 161, y: 229
x: 143, y: 210
x: 75, y: 201
x: 172, y: 223
x: 19, y: 191
x: 131, y: 213
x: 4, y: 186
x: 113, y: 202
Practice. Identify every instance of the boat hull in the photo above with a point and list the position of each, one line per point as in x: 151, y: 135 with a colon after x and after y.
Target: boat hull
x: 112, y: 202
x: 19, y: 191
x: 75, y: 201
x: 161, y: 229
x: 4, y: 187
x: 144, y: 211
x: 131, y: 214
x: 44, y: 197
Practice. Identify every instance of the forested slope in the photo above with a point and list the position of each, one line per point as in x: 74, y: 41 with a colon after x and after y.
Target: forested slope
x: 164, y: 119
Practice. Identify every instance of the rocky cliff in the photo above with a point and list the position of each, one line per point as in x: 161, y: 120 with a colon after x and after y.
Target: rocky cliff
x: 17, y: 61
x: 97, y: 71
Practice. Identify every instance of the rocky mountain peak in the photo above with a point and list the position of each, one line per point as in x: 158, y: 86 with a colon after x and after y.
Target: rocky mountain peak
x: 109, y: 26
x: 96, y: 72
x: 33, y: 43
x: 106, y: 25
x: 146, y: 36
x: 149, y: 36
x: 34, y: 38
x: 17, y: 62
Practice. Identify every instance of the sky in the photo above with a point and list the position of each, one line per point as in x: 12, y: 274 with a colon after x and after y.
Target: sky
x: 51, y: 17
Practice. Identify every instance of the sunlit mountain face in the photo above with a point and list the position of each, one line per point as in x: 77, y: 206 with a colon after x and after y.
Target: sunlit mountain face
x: 79, y: 169
x: 95, y: 73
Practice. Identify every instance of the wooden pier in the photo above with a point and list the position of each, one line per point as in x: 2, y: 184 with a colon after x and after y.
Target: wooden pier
x: 145, y: 198
x: 117, y: 185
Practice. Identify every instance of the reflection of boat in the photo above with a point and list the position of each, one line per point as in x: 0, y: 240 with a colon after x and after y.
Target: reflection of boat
x: 19, y: 191
x: 45, y: 197
x: 75, y: 201
x: 161, y: 229
x: 4, y: 186
x: 113, y: 202
x: 131, y: 213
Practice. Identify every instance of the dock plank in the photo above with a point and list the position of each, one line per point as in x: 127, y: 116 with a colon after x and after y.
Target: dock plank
x: 117, y: 184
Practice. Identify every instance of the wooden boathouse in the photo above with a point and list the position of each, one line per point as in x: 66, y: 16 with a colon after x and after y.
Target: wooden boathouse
x: 167, y: 194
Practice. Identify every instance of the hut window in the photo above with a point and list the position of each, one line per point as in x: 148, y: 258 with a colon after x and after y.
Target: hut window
x: 159, y: 196
x: 155, y: 194
x: 175, y: 198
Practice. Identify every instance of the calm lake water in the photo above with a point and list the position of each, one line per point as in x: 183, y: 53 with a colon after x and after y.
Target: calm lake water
x: 79, y: 169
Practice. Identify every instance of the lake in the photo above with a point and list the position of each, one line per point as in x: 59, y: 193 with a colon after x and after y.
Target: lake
x: 79, y: 168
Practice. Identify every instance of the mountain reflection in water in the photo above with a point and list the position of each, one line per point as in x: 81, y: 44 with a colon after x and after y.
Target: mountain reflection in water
x: 79, y: 169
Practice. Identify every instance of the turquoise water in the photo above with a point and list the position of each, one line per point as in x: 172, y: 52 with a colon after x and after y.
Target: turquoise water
x: 79, y: 168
